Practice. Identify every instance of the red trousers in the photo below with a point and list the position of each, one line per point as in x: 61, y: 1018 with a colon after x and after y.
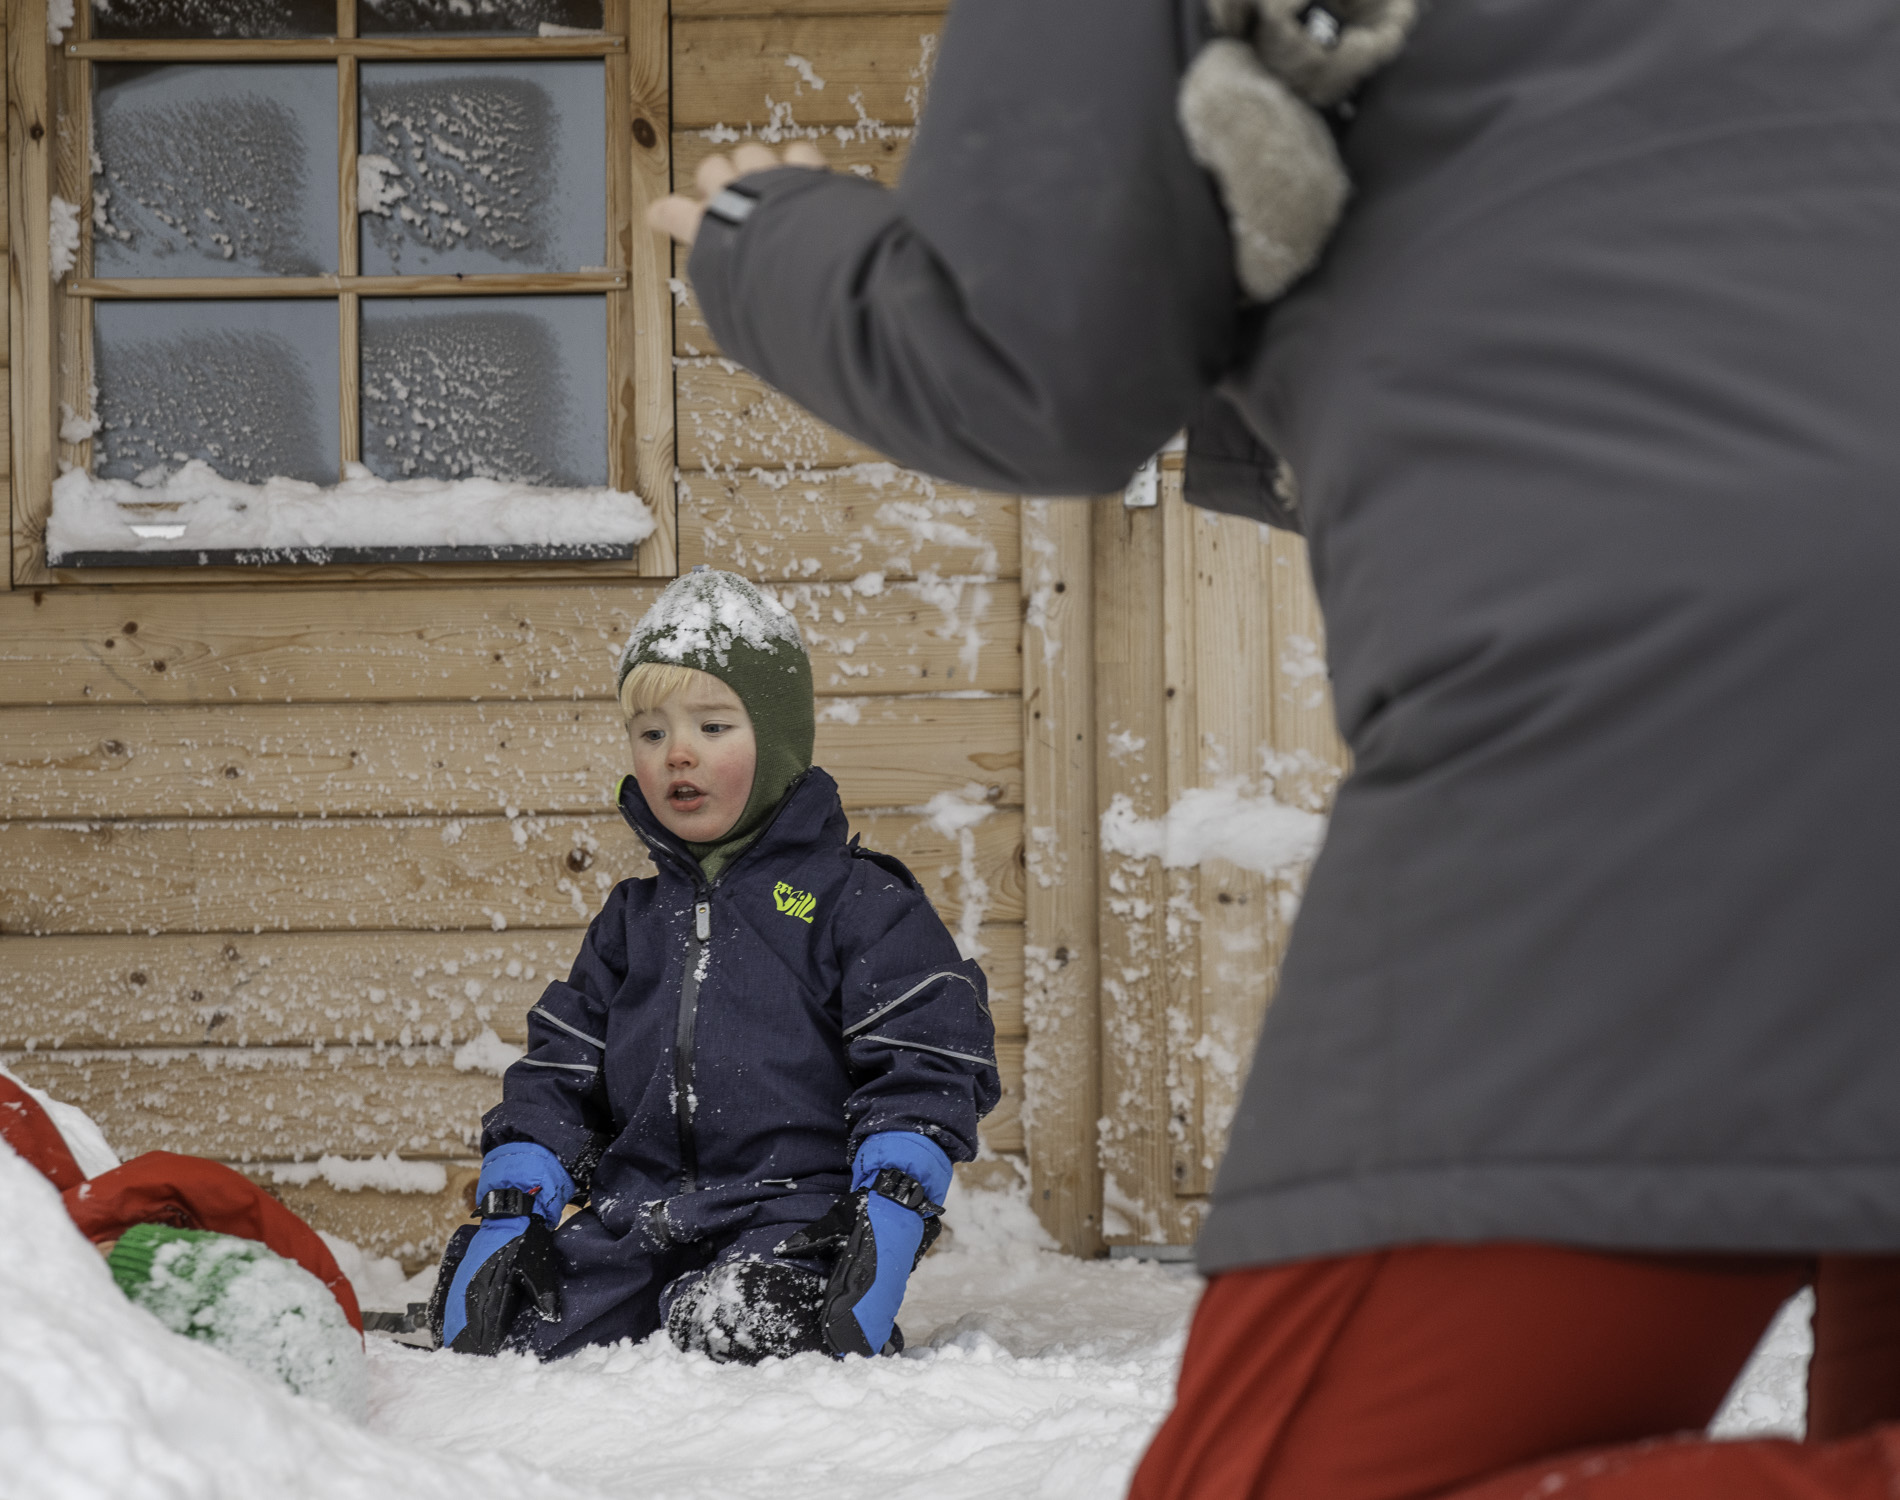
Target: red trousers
x: 1508, y: 1372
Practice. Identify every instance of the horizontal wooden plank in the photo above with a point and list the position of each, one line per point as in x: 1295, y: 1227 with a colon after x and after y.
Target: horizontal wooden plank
x: 403, y: 873
x: 519, y: 642
x: 278, y: 287
x: 841, y: 524
x: 280, y: 1103
x: 730, y: 419
x: 739, y: 72
x: 297, y: 1104
x: 728, y: 8
x: 411, y: 1227
x: 278, y: 989
x: 340, y: 760
x: 326, y: 49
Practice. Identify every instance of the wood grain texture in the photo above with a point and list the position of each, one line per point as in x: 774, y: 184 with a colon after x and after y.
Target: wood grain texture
x: 402, y: 873
x: 523, y: 642
x: 843, y: 524
x: 30, y: 139
x: 647, y: 317
x: 735, y: 73
x: 729, y: 8
x: 731, y: 420
x: 1139, y: 1204
x: 286, y: 989
x: 411, y: 1227
x: 343, y: 760
x: 1061, y: 999
x: 298, y: 1103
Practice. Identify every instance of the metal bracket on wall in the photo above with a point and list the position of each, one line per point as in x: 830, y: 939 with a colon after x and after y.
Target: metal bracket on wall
x: 1144, y: 490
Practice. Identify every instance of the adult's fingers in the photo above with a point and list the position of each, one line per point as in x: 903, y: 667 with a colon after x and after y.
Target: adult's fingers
x: 753, y: 157
x: 713, y: 175
x: 805, y: 154
x: 678, y: 217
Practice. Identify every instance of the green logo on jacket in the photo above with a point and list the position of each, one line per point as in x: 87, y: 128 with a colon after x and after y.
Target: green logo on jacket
x: 800, y: 904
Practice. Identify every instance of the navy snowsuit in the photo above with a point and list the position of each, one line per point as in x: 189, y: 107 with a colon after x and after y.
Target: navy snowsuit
x: 707, y: 1070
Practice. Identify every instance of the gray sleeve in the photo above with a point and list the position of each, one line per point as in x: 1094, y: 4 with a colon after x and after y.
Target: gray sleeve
x: 1048, y: 294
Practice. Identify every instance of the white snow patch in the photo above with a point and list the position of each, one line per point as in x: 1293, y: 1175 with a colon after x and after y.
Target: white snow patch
x: 706, y: 614
x: 840, y: 711
x: 59, y: 20
x: 83, y: 1138
x: 378, y: 1280
x: 802, y: 66
x: 956, y: 815
x: 62, y: 232
x: 74, y: 428
x: 1769, y: 1397
x: 385, y: 1174
x: 1125, y: 742
x: 1242, y: 824
x: 870, y: 585
x: 486, y: 1053
x: 380, y: 185
x: 195, y: 506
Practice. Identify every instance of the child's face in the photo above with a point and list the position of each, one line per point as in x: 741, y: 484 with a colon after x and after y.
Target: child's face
x: 693, y: 757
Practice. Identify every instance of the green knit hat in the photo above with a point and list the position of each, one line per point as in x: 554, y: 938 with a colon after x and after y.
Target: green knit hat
x: 266, y: 1312
x: 720, y: 624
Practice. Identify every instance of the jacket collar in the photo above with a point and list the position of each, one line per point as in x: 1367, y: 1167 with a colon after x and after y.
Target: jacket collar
x: 809, y: 814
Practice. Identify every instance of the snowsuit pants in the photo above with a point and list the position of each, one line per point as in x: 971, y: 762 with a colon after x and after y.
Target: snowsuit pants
x: 623, y: 1288
x: 1514, y: 1372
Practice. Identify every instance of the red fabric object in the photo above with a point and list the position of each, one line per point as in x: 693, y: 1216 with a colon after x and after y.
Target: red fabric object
x: 1511, y: 1372
x: 29, y: 1130
x: 192, y: 1193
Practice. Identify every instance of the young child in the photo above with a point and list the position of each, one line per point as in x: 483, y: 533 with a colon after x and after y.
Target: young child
x: 764, y: 1061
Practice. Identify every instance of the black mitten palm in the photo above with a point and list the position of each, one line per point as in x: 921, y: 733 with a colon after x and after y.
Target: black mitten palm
x: 875, y: 1236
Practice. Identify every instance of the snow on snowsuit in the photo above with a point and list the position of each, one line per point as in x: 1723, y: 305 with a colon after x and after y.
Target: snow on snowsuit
x: 707, y: 1070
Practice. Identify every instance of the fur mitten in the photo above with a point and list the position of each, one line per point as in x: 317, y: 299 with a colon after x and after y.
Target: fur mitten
x: 1250, y: 109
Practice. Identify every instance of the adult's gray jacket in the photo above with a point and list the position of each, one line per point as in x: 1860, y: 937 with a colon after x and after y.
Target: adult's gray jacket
x: 1594, y: 405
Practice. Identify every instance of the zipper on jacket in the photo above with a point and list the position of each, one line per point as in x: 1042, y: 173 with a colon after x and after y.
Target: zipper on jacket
x: 683, y: 1102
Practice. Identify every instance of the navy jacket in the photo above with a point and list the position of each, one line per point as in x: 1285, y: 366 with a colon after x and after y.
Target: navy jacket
x: 720, y: 1050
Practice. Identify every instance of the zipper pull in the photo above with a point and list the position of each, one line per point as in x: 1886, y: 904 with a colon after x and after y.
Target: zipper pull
x: 702, y: 921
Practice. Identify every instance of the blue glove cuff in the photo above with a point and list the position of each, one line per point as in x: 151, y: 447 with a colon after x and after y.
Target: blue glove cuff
x: 909, y: 1152
x: 530, y: 1169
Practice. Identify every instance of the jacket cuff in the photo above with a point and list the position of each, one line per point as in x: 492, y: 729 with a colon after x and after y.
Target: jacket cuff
x: 909, y: 1152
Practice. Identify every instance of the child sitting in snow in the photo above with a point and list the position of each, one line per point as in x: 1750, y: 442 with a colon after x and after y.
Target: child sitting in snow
x: 775, y: 1031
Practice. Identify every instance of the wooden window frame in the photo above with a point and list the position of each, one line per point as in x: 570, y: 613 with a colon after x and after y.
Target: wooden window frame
x: 48, y: 151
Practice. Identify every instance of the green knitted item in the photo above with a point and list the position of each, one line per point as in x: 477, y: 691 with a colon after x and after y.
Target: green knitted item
x: 720, y: 624
x: 268, y: 1313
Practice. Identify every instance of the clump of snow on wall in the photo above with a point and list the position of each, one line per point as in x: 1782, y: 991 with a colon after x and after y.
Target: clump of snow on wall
x: 59, y: 18
x: 486, y: 1053
x: 195, y: 507
x: 382, y: 1174
x: 62, y: 235
x: 956, y: 815
x: 1244, y: 825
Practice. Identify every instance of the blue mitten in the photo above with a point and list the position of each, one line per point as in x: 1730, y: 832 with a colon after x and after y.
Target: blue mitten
x: 879, y: 1233
x: 520, y: 1195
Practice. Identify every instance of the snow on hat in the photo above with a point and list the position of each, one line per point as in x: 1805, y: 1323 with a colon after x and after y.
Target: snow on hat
x: 267, y: 1313
x: 725, y: 626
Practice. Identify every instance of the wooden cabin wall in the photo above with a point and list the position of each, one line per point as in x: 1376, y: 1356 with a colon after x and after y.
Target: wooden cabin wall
x: 277, y: 857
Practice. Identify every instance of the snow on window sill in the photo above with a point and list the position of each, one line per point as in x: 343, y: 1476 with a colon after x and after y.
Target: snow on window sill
x: 196, y: 517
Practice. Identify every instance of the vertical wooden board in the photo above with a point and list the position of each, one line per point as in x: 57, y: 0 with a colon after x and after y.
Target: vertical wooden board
x: 72, y: 316
x: 1241, y: 932
x: 1061, y: 970
x: 1186, y: 675
x: 29, y: 171
x: 1138, y: 1199
x: 648, y: 313
x: 1305, y: 730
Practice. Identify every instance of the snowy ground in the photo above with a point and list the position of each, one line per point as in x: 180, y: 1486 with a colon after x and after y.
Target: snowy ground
x: 1030, y: 1374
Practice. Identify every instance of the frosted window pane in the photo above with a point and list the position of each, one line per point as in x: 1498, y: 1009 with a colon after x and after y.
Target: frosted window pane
x: 213, y: 18
x: 214, y: 171
x: 519, y: 17
x: 248, y: 386
x: 486, y: 387
x: 482, y: 167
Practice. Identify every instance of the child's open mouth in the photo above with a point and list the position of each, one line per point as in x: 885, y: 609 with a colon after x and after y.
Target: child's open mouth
x: 685, y: 796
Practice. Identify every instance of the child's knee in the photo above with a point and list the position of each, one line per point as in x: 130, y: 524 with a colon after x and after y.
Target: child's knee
x: 745, y: 1310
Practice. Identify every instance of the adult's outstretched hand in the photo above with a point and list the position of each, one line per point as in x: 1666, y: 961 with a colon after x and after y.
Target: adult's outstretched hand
x: 679, y: 213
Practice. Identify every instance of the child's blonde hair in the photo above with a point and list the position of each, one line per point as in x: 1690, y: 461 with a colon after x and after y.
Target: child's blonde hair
x: 651, y: 683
